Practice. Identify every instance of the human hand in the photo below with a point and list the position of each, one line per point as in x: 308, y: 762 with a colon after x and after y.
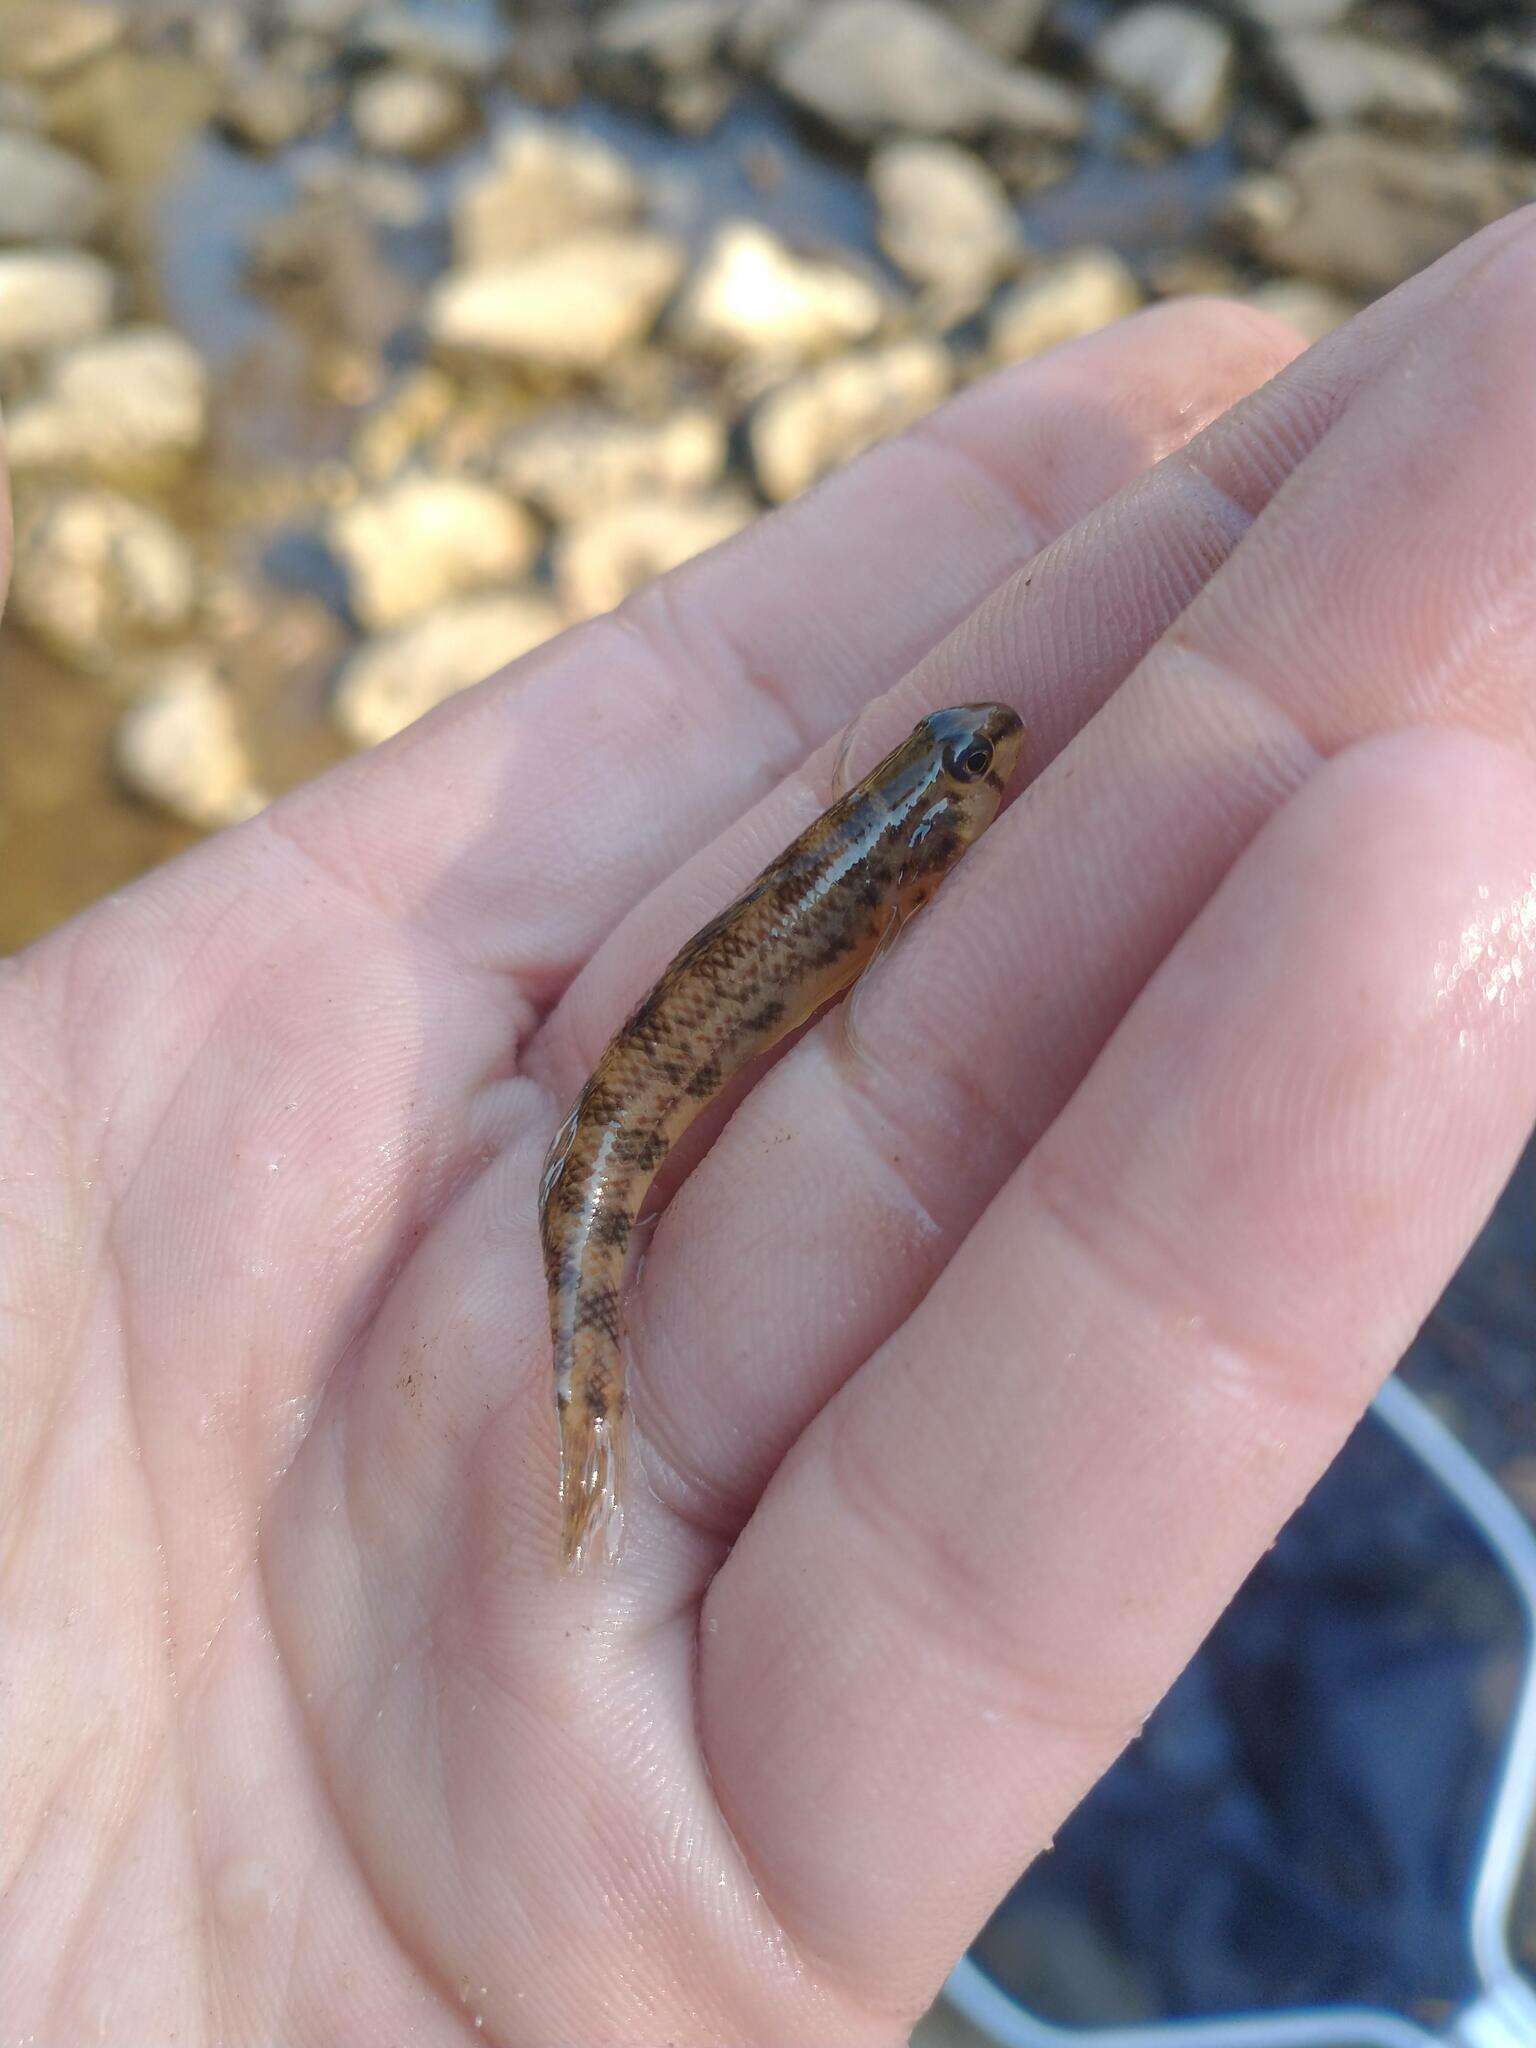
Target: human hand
x: 974, y: 1365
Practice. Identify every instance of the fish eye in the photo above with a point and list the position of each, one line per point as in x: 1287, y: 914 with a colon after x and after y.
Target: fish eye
x: 970, y: 761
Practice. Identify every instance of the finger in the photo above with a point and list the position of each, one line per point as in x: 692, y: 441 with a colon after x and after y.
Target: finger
x: 858, y: 1173
x: 984, y: 1563
x: 526, y: 817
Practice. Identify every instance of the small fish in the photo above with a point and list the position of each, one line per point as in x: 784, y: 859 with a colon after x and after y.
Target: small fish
x: 801, y: 935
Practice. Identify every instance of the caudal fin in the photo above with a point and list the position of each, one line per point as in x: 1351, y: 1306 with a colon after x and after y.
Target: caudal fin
x: 591, y: 1485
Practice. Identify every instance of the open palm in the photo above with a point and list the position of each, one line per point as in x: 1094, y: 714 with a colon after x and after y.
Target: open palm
x: 976, y: 1361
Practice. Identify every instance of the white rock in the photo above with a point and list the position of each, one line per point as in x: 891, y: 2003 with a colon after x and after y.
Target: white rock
x: 577, y: 459
x: 389, y: 682
x: 179, y: 746
x: 835, y: 410
x: 752, y: 296
x: 1172, y: 61
x: 542, y: 186
x: 46, y: 195
x: 425, y: 539
x: 400, y: 112
x: 602, y: 558
x: 51, y: 297
x: 878, y: 67
x: 125, y: 407
x: 946, y: 220
x: 1074, y: 295
x: 572, y: 307
x: 1311, y: 308
x: 1361, y: 212
x: 1348, y: 80
x: 94, y: 571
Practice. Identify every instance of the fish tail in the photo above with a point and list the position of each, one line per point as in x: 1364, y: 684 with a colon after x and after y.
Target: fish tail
x: 592, y: 1457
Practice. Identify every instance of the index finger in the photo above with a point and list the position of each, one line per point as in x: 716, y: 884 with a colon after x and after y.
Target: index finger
x: 529, y: 815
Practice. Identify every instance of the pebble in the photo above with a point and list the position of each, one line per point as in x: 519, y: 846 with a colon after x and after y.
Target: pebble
x: 425, y: 539
x: 398, y: 111
x: 266, y: 106
x: 835, y: 410
x: 661, y: 55
x: 389, y: 682
x: 599, y: 560
x: 872, y: 68
x: 179, y: 746
x: 946, y: 221
x: 45, y: 41
x: 752, y: 296
x: 46, y: 194
x: 1005, y: 27
x: 1173, y: 61
x: 1074, y: 295
x: 129, y: 407
x: 572, y: 307
x: 51, y: 297
x: 1343, y: 80
x: 542, y: 186
x: 1361, y: 212
x: 94, y: 570
x: 578, y: 459
x: 447, y: 39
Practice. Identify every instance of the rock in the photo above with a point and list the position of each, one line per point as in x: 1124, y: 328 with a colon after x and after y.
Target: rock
x: 46, y: 195
x: 93, y: 571
x: 1343, y: 80
x: 426, y: 539
x: 1311, y: 308
x: 50, y: 38
x: 129, y: 407
x: 753, y: 297
x: 51, y: 297
x: 390, y: 682
x: 946, y: 220
x: 832, y: 412
x: 1363, y: 213
x: 577, y: 460
x: 1075, y: 295
x: 871, y: 68
x: 179, y: 746
x: 1005, y: 27
x: 23, y: 108
x: 265, y: 106
x: 602, y: 558
x: 432, y: 39
x: 1172, y: 61
x: 762, y: 26
x: 543, y: 186
x: 1292, y: 14
x: 568, y: 308
x: 400, y: 112
x: 661, y: 55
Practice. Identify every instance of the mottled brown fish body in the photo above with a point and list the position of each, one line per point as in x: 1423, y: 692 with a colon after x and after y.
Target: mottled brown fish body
x: 796, y: 939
